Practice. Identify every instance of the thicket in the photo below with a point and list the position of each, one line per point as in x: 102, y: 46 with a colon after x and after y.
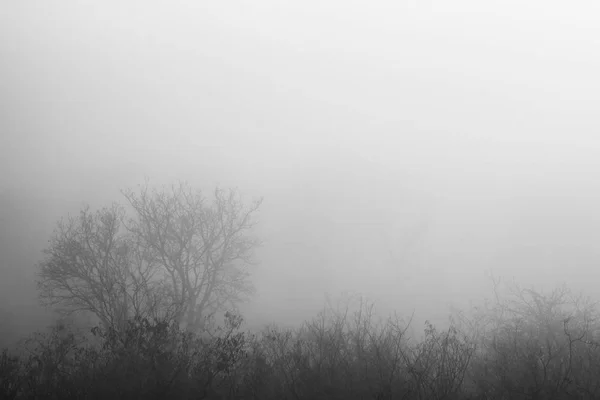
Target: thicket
x: 524, y: 345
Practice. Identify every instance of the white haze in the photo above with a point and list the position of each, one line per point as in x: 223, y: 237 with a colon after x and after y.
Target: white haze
x: 462, y: 136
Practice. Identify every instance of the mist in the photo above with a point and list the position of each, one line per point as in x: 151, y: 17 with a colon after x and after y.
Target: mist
x: 404, y: 150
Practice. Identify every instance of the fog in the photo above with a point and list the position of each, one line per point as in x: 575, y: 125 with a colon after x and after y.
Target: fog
x: 404, y: 150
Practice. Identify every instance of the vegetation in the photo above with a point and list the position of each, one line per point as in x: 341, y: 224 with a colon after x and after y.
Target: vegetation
x: 527, y: 345
x: 153, y: 278
x: 176, y: 258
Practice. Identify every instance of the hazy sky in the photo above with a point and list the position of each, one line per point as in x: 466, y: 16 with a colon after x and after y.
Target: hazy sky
x: 463, y: 135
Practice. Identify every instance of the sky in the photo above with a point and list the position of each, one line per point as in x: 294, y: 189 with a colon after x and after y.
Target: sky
x: 404, y: 149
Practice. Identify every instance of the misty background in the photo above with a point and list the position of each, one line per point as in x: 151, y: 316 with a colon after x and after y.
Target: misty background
x: 404, y: 149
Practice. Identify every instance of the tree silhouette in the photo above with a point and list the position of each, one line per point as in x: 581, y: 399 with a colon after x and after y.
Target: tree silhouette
x: 176, y: 257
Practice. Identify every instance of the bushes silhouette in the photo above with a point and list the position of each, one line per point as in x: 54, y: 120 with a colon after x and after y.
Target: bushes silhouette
x: 537, y: 346
x: 528, y: 345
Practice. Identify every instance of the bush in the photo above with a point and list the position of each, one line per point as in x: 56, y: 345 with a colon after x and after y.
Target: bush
x: 527, y: 345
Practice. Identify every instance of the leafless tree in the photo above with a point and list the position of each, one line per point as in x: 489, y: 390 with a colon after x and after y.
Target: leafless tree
x: 177, y: 257
x: 92, y: 265
x: 202, y: 248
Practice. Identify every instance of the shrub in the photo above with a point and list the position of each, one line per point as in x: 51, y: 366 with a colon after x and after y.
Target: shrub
x: 528, y: 345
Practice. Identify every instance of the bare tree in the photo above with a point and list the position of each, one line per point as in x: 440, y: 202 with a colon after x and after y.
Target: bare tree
x: 177, y: 258
x: 202, y: 248
x: 93, y: 265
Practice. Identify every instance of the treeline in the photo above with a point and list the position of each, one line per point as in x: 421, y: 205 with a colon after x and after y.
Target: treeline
x: 520, y: 345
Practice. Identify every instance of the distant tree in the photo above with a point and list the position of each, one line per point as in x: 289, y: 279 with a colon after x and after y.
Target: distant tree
x: 201, y: 248
x: 176, y: 258
x: 92, y: 265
